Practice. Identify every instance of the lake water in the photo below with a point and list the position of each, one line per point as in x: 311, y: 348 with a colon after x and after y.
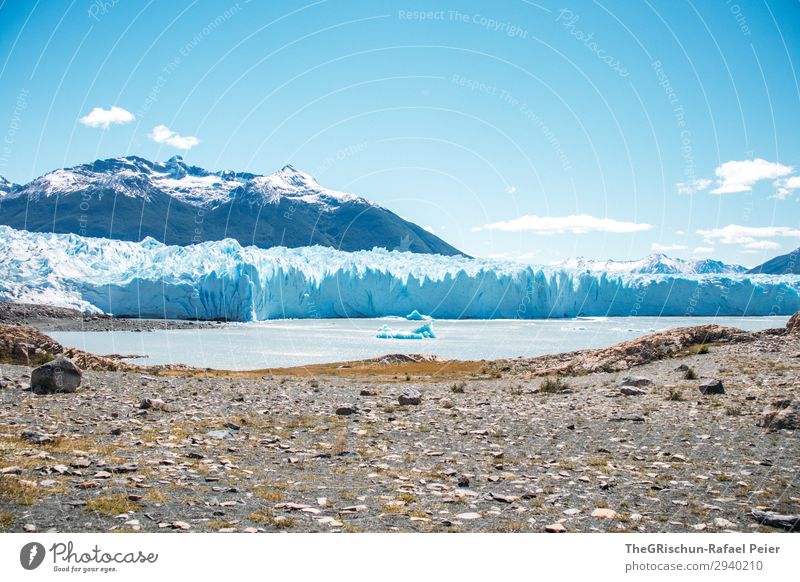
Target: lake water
x: 297, y: 342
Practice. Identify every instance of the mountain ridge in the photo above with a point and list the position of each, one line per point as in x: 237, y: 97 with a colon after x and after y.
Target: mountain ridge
x: 131, y: 198
x: 788, y: 264
x: 652, y: 264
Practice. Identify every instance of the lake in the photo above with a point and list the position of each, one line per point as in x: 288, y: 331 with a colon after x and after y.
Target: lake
x: 282, y: 343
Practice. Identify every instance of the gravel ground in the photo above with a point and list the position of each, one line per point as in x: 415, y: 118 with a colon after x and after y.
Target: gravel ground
x: 479, y: 453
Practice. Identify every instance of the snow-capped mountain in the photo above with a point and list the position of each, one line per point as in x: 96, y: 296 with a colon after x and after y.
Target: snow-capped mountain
x: 132, y: 198
x: 655, y: 264
x: 6, y: 187
x: 224, y: 280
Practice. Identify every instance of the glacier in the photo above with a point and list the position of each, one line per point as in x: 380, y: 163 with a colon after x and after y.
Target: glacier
x: 424, y: 332
x: 223, y: 280
x: 417, y: 316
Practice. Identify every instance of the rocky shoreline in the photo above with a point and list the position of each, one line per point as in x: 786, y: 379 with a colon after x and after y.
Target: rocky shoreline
x: 48, y: 318
x: 685, y: 430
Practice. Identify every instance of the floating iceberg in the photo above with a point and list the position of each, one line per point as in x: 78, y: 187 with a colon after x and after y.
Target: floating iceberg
x: 424, y: 332
x: 223, y: 280
x: 417, y: 316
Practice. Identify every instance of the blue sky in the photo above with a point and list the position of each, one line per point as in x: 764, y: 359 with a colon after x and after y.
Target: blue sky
x: 527, y: 130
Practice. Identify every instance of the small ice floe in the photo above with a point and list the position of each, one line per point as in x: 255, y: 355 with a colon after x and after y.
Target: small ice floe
x: 417, y: 316
x: 424, y: 332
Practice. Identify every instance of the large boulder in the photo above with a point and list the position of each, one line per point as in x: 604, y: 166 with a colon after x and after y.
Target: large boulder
x: 793, y: 325
x: 783, y: 413
x: 409, y: 396
x: 59, y: 375
x: 711, y: 387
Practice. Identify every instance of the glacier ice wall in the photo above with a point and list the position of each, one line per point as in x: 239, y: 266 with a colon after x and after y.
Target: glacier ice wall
x: 223, y: 280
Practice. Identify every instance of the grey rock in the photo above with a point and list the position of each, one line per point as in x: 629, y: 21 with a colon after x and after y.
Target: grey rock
x: 219, y: 434
x: 126, y: 468
x: 604, y: 513
x: 152, y: 404
x: 632, y: 391
x: 60, y: 375
x: 37, y: 437
x: 346, y: 409
x: 780, y: 414
x: 635, y: 418
x: 793, y: 325
x: 409, y: 396
x: 780, y: 520
x: 637, y: 381
x: 711, y: 387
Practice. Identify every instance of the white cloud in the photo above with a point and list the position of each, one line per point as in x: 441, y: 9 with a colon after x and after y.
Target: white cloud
x: 781, y: 194
x: 741, y: 175
x: 163, y: 134
x: 693, y: 186
x: 785, y: 188
x: 575, y: 223
x: 659, y: 248
x: 792, y: 183
x: 751, y: 239
x: 511, y: 189
x: 702, y: 250
x: 99, y: 117
x: 526, y: 258
x: 734, y: 234
x: 762, y: 245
